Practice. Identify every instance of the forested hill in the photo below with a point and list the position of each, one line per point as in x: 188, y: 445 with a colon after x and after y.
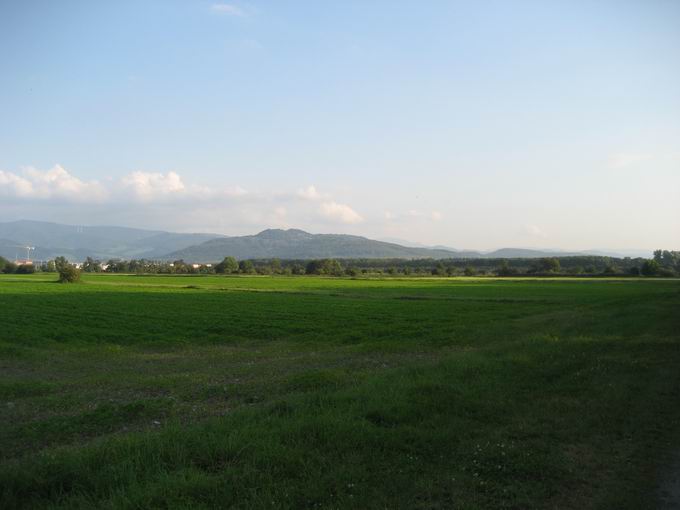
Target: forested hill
x: 111, y: 242
x: 301, y: 245
x: 75, y: 242
x: 297, y: 244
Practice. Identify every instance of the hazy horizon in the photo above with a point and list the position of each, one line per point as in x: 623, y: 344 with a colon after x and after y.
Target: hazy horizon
x: 475, y: 126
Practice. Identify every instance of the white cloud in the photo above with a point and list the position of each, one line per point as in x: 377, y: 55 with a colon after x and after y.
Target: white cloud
x: 534, y: 231
x: 147, y: 186
x: 311, y: 193
x: 14, y: 185
x: 160, y: 187
x: 166, y: 200
x: 58, y: 184
x: 340, y: 212
x: 228, y: 9
x: 436, y: 216
x: 55, y: 183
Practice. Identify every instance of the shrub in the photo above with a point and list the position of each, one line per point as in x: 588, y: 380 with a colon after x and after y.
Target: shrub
x: 9, y: 267
x: 25, y: 269
x: 650, y: 268
x: 68, y: 273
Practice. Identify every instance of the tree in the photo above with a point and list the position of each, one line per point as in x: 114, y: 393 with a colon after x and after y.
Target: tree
x: 324, y: 267
x: 263, y: 269
x: 610, y: 269
x: 179, y: 266
x: 352, y: 271
x: 25, y: 269
x: 439, y: 269
x: 505, y: 270
x: 60, y: 262
x: 68, y: 273
x: 667, y: 259
x: 7, y: 267
x: 228, y: 266
x: 92, y: 266
x: 298, y: 269
x: 246, y: 267
x: 546, y: 265
x: 276, y: 266
x: 650, y: 267
x: 470, y: 271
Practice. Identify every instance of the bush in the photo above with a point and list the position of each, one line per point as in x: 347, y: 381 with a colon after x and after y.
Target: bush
x: 352, y: 271
x: 545, y: 265
x: 228, y: 266
x: 324, y: 267
x: 610, y: 270
x: 68, y: 274
x: 9, y: 267
x: 506, y: 270
x: 650, y: 268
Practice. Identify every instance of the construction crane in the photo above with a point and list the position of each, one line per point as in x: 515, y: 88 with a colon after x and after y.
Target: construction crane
x: 28, y: 251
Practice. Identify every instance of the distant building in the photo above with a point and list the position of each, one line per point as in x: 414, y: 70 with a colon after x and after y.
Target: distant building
x: 23, y: 262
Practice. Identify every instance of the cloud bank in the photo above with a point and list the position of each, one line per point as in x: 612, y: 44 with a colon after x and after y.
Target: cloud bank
x: 147, y: 197
x: 55, y: 183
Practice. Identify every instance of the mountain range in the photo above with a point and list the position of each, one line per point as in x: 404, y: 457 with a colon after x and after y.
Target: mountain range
x: 78, y: 242
x: 106, y: 242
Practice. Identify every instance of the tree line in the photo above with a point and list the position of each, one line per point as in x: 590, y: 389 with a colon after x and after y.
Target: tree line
x: 663, y: 263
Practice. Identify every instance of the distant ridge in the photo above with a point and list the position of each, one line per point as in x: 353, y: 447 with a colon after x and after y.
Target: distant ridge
x: 298, y: 244
x: 109, y: 242
x: 102, y: 242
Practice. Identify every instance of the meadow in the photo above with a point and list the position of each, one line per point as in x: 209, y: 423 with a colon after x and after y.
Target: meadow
x: 128, y: 391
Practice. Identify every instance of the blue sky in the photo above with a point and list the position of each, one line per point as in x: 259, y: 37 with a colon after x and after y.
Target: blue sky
x: 471, y: 124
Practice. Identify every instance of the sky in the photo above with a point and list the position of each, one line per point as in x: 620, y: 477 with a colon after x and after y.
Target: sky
x: 470, y: 124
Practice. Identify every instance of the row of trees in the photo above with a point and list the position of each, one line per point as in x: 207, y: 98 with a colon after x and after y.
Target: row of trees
x: 584, y: 266
x: 9, y: 267
x: 664, y: 263
x: 67, y: 272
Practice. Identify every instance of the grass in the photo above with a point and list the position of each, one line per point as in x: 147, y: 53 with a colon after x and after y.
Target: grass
x: 305, y: 392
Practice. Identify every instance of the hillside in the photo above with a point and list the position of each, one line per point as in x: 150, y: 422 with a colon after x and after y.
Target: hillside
x: 78, y: 242
x: 297, y: 244
x: 105, y: 242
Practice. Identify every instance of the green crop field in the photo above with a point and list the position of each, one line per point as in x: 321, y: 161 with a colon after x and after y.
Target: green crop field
x: 307, y: 392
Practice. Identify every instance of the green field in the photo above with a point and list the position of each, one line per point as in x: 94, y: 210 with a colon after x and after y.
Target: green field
x: 307, y: 392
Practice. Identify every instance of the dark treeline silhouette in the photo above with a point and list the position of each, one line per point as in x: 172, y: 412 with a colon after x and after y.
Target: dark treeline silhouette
x: 664, y: 263
x: 549, y: 266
